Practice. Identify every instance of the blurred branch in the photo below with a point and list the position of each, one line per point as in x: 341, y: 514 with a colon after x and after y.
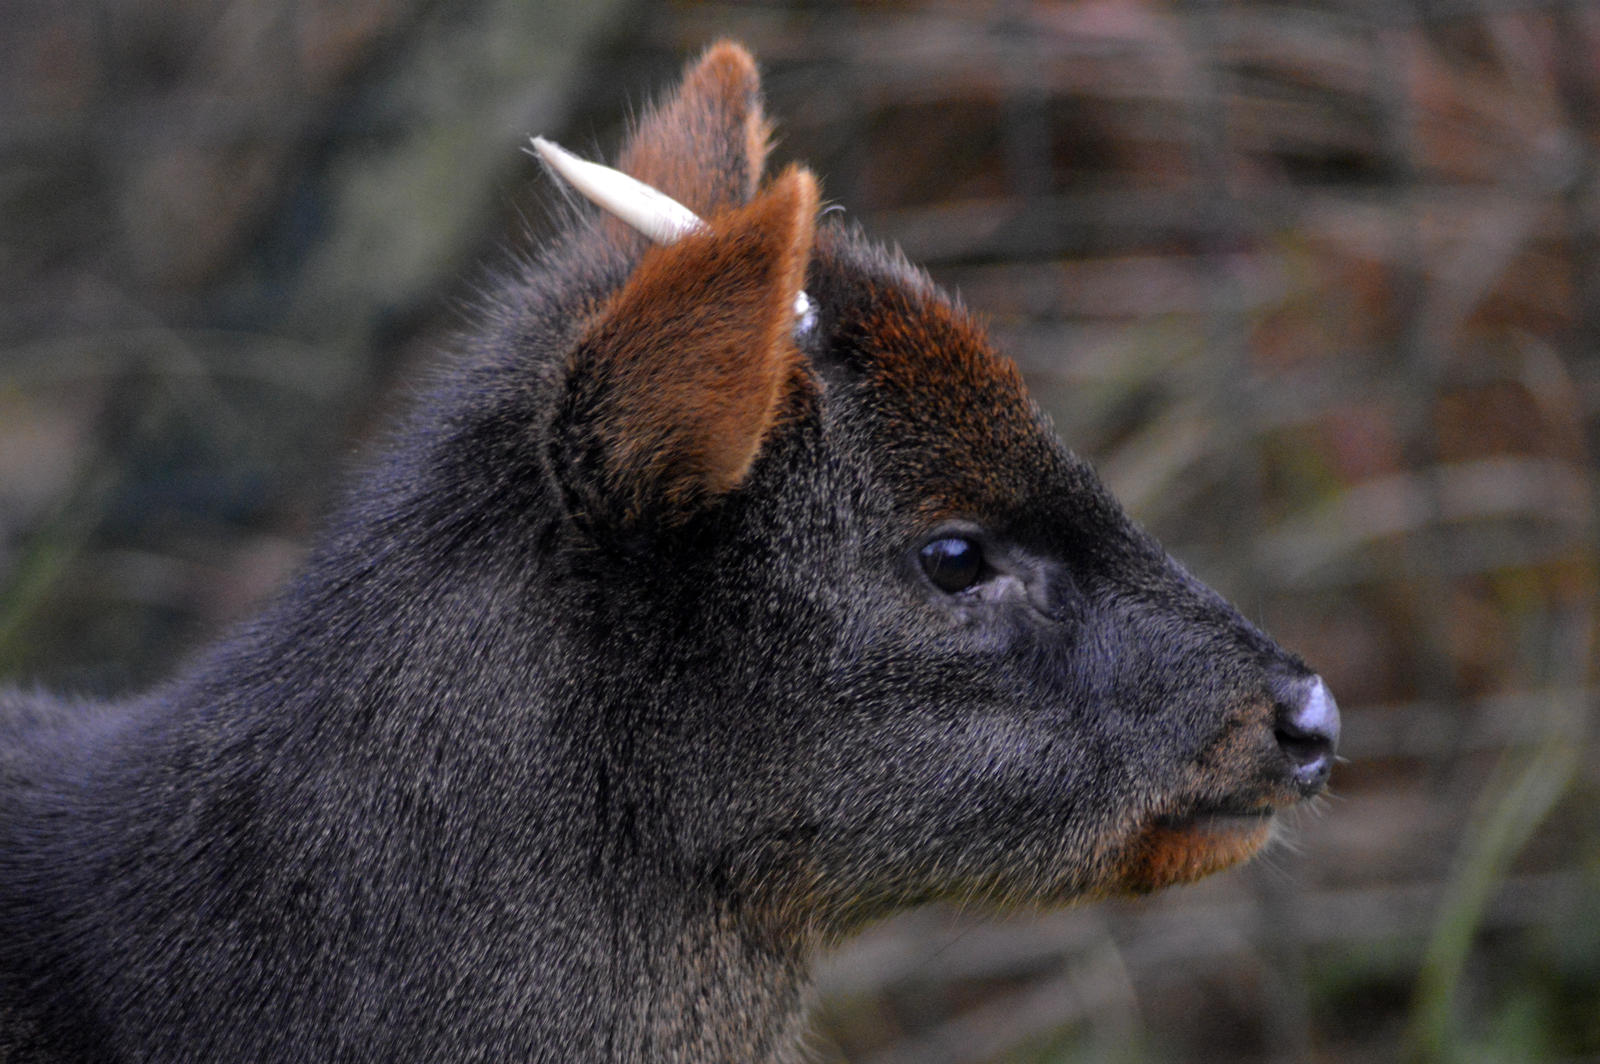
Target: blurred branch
x: 170, y: 353
x: 1518, y: 797
x: 1092, y: 989
x: 1547, y: 490
x: 28, y: 585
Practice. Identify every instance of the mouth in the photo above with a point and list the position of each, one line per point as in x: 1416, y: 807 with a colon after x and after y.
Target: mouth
x: 1183, y: 847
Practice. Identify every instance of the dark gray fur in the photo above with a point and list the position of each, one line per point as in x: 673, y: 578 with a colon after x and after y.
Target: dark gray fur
x: 487, y: 784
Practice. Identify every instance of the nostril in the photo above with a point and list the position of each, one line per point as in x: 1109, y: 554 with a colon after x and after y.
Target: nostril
x: 1303, y: 749
x: 1311, y: 713
x: 1308, y: 730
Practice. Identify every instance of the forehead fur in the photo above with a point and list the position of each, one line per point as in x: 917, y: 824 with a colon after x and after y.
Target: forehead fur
x: 948, y: 413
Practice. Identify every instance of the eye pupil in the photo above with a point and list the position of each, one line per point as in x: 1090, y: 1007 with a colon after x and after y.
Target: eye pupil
x: 953, y: 563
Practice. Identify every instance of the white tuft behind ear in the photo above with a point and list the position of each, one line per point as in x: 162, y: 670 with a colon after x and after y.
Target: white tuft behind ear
x: 649, y: 210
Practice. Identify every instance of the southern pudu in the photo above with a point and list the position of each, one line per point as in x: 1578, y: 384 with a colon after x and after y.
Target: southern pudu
x: 727, y: 593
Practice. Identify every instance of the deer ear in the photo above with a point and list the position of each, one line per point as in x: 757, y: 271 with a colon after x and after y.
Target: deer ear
x: 677, y: 381
x: 705, y: 144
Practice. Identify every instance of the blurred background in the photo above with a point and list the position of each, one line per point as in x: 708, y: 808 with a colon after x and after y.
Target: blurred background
x: 1315, y: 284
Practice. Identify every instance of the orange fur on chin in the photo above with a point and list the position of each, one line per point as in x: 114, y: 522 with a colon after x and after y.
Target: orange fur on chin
x: 1166, y: 854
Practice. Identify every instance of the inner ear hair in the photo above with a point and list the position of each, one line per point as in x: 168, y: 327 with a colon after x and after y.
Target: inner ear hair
x: 678, y: 381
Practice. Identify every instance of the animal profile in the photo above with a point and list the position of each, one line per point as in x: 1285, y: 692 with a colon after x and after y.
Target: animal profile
x: 728, y: 593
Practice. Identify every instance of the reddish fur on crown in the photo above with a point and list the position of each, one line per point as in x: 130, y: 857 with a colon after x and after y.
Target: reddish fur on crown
x: 949, y: 402
x: 705, y: 145
x: 696, y: 352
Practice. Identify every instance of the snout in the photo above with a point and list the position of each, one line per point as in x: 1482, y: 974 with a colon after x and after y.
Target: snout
x: 1198, y: 838
x: 1307, y: 730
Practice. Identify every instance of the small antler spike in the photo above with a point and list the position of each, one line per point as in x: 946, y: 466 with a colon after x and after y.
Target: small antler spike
x: 649, y: 210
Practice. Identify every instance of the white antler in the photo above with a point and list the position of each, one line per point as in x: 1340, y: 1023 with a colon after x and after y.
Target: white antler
x: 649, y: 210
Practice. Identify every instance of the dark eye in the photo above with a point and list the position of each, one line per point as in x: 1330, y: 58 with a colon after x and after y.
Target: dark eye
x: 953, y: 564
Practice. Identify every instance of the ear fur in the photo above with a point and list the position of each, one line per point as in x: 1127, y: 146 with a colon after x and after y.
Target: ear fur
x: 706, y: 144
x: 674, y: 385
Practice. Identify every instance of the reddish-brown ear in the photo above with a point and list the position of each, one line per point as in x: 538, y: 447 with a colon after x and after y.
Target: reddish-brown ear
x: 674, y: 386
x: 705, y: 144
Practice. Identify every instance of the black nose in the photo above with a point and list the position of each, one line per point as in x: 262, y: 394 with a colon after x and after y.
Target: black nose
x: 1308, y: 730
